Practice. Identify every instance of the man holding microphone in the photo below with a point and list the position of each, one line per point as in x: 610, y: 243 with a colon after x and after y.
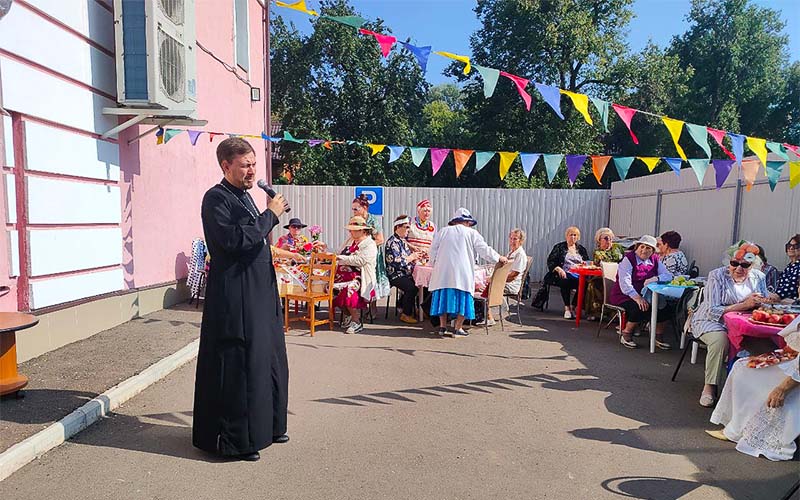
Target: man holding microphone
x: 241, y: 385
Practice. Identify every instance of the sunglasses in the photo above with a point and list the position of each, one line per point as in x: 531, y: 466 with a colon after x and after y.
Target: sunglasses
x: 743, y: 265
x: 789, y: 246
x: 296, y: 227
x: 605, y: 238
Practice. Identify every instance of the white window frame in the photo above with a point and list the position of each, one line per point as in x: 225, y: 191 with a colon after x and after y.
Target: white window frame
x: 242, y: 62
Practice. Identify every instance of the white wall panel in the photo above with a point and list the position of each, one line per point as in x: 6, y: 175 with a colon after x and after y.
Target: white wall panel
x: 11, y: 199
x: 52, y: 201
x: 26, y: 34
x: 8, y: 141
x: 58, y: 290
x: 62, y: 250
x: 84, y: 16
x: 13, y: 252
x: 63, y: 152
x: 542, y: 213
x: 36, y: 93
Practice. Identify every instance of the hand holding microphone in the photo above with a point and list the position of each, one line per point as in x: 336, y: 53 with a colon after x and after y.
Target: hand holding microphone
x: 277, y: 203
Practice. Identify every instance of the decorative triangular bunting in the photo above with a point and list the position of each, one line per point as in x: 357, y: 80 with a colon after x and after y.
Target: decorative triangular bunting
x: 551, y: 165
x: 602, y: 109
x: 552, y: 96
x: 482, y: 158
x: 581, y: 103
x: 300, y: 5
x: 528, y: 162
x: 737, y: 144
x: 417, y: 155
x: 376, y: 148
x: 437, y: 158
x: 599, y: 164
x: 749, y: 171
x: 421, y: 53
x: 463, y: 59
x: 520, y: 83
x: 774, y: 170
x: 718, y: 135
x: 722, y: 168
x: 170, y: 133
x: 395, y: 152
x: 506, y: 158
x: 623, y: 164
x: 759, y: 147
x: 699, y: 165
x: 700, y: 135
x: 193, y: 135
x: 354, y: 21
x: 490, y: 76
x: 674, y: 164
x: 650, y: 161
x: 385, y: 41
x: 461, y: 157
x: 794, y: 174
x: 574, y: 164
x: 778, y: 150
x: 675, y: 127
x: 626, y: 115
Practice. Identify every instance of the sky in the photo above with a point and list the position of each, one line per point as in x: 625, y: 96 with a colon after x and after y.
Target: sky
x: 447, y: 24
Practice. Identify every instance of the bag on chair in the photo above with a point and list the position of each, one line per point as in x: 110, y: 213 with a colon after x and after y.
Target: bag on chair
x: 526, y: 287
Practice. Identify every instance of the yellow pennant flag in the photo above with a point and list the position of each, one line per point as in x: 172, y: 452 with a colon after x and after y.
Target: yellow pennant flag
x: 376, y: 148
x: 759, y: 147
x: 457, y: 57
x: 506, y: 158
x: 581, y: 103
x: 675, y: 127
x: 749, y: 169
x: 299, y: 5
x: 599, y: 164
x: 794, y: 174
x: 650, y: 161
x: 461, y: 157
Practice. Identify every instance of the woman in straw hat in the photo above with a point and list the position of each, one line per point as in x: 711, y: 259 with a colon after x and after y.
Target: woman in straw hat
x: 356, y: 273
x: 760, y: 405
x: 452, y: 282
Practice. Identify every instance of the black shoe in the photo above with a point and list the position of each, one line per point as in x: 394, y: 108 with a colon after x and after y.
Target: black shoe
x: 250, y: 457
x: 280, y: 439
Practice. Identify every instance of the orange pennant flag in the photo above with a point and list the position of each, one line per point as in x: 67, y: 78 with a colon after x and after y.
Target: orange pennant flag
x: 461, y: 157
x: 599, y: 164
x: 750, y: 169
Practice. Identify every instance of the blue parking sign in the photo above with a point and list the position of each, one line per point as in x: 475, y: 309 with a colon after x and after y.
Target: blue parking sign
x: 375, y: 196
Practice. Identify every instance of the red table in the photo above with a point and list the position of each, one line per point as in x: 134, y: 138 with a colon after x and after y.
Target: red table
x: 582, y: 273
x: 739, y: 327
x: 10, y: 323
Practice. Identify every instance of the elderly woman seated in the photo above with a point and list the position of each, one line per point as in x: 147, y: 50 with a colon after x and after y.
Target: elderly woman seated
x: 737, y: 286
x: 674, y: 260
x: 605, y: 250
x: 760, y: 405
x: 638, y: 269
x: 519, y: 262
x: 788, y: 284
x: 355, y: 276
x: 563, y: 257
x: 400, y: 261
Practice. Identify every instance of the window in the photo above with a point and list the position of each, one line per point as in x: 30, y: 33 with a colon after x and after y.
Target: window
x: 241, y: 35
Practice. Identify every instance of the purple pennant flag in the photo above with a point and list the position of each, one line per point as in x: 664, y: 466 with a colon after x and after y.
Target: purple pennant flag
x: 574, y: 164
x: 437, y: 158
x: 722, y: 168
x: 315, y: 142
x: 193, y: 135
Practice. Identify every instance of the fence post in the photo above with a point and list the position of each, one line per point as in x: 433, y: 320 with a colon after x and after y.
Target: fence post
x: 737, y: 212
x: 658, y: 213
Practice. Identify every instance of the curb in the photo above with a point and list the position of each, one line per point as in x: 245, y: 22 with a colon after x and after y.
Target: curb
x: 43, y: 441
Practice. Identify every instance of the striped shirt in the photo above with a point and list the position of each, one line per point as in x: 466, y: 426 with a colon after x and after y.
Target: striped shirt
x: 718, y: 294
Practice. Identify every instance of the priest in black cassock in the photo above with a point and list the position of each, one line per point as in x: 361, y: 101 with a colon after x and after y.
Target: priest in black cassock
x: 241, y: 386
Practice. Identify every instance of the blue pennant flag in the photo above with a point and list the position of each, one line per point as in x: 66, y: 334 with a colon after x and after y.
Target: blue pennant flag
x: 552, y: 96
x: 421, y: 54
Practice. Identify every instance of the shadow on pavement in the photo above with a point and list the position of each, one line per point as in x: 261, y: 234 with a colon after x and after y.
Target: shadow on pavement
x: 42, y: 406
x: 662, y: 488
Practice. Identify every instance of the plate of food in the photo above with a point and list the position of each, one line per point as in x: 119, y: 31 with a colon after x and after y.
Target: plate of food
x: 788, y: 308
x: 772, y: 317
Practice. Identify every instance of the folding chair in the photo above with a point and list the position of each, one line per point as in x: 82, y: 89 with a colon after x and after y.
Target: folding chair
x: 319, y: 288
x: 609, y: 278
x: 518, y: 296
x: 497, y: 283
x: 687, y: 335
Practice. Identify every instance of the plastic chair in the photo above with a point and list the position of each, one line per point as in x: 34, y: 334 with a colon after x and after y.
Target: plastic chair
x: 518, y: 296
x: 609, y: 278
x: 497, y: 283
x: 319, y: 288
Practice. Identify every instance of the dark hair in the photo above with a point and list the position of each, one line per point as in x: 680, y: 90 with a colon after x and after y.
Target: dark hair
x: 671, y: 238
x: 232, y: 147
x: 362, y: 200
x: 796, y: 239
x: 762, y: 254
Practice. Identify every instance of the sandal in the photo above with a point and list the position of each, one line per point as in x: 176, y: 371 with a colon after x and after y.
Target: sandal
x: 707, y: 401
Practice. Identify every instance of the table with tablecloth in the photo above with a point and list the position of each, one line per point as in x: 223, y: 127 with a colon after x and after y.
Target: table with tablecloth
x: 657, y: 289
x: 739, y: 326
x: 422, y: 278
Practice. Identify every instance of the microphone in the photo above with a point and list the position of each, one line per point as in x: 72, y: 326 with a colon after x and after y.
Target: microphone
x: 271, y: 192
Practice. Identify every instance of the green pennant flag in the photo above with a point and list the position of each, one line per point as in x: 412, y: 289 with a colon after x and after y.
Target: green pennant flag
x: 700, y: 135
x: 551, y: 164
x: 602, y: 108
x: 774, y: 170
x: 354, y: 21
x: 623, y: 164
x: 417, y: 155
x: 170, y: 133
x: 490, y: 76
x: 778, y: 149
x: 482, y: 158
x: 289, y: 138
x: 699, y: 165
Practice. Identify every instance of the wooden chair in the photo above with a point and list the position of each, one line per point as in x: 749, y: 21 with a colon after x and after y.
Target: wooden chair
x: 518, y: 296
x: 319, y: 288
x: 497, y: 283
x: 609, y: 278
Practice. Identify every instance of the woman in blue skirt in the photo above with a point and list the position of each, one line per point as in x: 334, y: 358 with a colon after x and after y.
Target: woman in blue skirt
x: 452, y: 256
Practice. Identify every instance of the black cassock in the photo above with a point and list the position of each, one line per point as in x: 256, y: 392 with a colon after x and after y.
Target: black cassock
x: 241, y: 386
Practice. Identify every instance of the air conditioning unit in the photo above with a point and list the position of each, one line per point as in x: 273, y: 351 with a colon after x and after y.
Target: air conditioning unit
x: 155, y: 52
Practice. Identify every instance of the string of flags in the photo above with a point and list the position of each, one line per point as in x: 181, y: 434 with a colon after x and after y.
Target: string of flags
x: 552, y: 96
x: 551, y: 162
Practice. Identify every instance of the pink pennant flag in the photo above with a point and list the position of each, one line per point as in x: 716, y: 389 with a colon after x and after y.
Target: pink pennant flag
x: 385, y: 41
x: 521, y: 83
x: 718, y: 135
x: 437, y: 158
x: 793, y: 149
x: 211, y: 136
x: 626, y: 114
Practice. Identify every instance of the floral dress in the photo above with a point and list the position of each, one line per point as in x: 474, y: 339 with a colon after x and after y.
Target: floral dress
x: 348, y: 281
x: 382, y: 286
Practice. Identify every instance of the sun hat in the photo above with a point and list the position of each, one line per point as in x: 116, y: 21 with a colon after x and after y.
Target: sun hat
x: 356, y: 223
x: 648, y: 240
x: 462, y: 215
x: 294, y: 221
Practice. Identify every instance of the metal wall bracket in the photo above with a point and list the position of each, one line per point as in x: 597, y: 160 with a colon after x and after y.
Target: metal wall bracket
x: 157, y: 117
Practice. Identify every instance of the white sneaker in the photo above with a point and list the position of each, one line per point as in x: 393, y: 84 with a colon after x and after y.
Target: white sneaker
x: 346, y: 321
x: 354, y: 328
x: 568, y: 315
x: 487, y: 322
